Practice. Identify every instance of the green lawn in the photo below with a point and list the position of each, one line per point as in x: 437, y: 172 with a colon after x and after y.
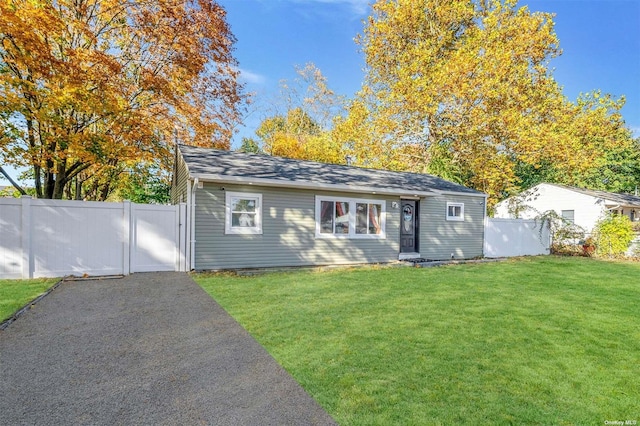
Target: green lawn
x: 533, y: 341
x: 14, y: 294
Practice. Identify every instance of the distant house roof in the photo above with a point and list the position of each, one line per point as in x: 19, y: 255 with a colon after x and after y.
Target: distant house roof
x: 621, y: 199
x: 230, y: 166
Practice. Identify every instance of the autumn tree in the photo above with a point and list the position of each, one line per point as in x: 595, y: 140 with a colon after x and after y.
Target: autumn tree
x: 588, y: 145
x: 91, y: 90
x: 463, y: 89
x: 298, y: 124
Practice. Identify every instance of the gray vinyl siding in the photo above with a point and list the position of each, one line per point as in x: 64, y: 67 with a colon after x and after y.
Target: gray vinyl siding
x: 288, y: 232
x: 440, y: 237
x: 180, y: 181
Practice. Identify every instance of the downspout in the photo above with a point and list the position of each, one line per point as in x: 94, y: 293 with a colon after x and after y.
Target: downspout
x: 485, y: 222
x: 192, y: 225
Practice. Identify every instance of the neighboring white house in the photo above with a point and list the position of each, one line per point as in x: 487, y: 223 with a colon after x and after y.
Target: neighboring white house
x: 583, y: 207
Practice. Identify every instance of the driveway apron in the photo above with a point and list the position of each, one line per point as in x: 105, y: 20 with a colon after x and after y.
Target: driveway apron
x: 149, y: 348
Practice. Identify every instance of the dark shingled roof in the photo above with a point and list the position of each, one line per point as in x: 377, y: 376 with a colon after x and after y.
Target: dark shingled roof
x: 622, y: 199
x: 214, y: 164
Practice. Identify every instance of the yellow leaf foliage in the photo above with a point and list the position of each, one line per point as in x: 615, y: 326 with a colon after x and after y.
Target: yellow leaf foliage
x: 89, y: 86
x: 304, y: 131
x: 463, y: 88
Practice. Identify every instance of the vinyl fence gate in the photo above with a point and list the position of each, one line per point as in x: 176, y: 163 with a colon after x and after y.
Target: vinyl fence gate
x: 515, y: 237
x: 54, y: 238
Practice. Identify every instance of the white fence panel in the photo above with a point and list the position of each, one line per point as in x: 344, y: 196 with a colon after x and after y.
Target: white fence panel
x: 77, y: 238
x: 10, y: 238
x: 515, y: 237
x: 155, y: 238
x: 53, y: 238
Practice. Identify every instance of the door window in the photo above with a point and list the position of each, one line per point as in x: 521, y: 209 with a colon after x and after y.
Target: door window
x: 407, y: 218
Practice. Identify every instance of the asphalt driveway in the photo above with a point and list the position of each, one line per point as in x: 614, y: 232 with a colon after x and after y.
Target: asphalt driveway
x: 150, y: 348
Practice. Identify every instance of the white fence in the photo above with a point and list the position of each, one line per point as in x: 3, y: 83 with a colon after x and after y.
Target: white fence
x: 515, y: 237
x: 158, y: 238
x: 53, y: 238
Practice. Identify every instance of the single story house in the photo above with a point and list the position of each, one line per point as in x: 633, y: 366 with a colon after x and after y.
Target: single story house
x: 583, y: 207
x: 258, y: 211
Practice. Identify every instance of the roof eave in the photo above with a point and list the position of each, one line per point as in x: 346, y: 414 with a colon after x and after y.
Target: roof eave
x: 470, y: 194
x: 214, y: 178
x: 616, y: 203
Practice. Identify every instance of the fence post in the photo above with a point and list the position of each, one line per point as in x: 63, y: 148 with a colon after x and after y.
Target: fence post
x: 485, y: 225
x: 126, y: 240
x: 176, y: 217
x: 27, y: 255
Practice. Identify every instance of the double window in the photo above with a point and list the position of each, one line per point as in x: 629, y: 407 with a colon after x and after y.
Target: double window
x: 243, y: 213
x: 455, y: 211
x: 350, y: 218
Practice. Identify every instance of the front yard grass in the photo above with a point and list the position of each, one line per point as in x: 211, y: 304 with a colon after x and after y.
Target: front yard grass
x: 14, y: 294
x: 541, y: 340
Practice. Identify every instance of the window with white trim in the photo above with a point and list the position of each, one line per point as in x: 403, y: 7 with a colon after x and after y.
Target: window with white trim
x: 568, y: 215
x: 243, y: 213
x: 350, y: 218
x: 455, y: 211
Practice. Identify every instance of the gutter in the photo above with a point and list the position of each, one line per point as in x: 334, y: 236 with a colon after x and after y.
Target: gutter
x: 473, y: 194
x: 214, y: 178
x: 616, y: 207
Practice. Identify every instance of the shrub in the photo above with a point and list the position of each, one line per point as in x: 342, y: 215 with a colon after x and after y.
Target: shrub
x: 612, y: 235
x: 589, y: 247
x: 565, y: 235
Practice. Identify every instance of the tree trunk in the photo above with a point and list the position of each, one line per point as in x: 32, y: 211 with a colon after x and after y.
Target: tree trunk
x: 104, y: 193
x: 37, y: 177
x: 78, y: 188
x: 60, y: 180
x: 37, y: 170
x: 49, y: 180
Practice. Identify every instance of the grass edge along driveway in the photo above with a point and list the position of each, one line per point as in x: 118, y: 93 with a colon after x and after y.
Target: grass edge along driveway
x: 542, y: 340
x: 14, y: 294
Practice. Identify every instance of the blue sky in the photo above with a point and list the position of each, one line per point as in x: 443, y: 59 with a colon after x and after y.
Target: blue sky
x: 600, y: 41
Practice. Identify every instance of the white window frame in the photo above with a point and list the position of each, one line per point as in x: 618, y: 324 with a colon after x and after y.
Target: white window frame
x: 455, y: 218
x: 573, y: 215
x: 352, y: 218
x: 242, y: 230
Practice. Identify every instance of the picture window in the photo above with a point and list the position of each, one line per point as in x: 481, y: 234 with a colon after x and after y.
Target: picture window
x: 350, y: 218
